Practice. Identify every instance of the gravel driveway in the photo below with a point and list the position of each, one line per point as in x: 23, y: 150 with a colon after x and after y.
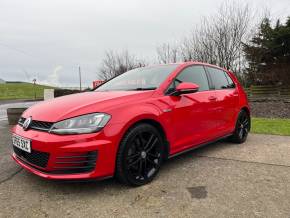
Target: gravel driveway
x: 220, y: 180
x: 270, y: 109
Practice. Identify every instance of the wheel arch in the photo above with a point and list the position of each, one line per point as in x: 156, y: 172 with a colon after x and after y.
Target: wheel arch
x: 151, y: 121
x: 160, y: 129
x: 246, y: 109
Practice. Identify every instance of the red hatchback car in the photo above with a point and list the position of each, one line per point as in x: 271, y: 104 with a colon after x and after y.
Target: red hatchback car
x: 129, y: 125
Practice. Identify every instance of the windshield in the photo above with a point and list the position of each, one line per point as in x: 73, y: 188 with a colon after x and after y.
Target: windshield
x: 145, y: 78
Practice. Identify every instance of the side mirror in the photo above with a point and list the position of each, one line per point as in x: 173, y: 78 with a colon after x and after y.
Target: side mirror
x: 185, y: 88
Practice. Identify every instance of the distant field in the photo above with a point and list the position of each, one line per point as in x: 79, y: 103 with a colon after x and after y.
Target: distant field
x: 10, y: 91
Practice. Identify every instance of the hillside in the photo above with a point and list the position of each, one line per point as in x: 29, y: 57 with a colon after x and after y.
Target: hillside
x: 21, y: 91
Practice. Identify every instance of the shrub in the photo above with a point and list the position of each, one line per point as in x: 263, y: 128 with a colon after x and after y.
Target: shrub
x: 62, y: 92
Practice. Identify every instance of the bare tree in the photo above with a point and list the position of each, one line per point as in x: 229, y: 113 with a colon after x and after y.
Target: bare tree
x: 219, y: 38
x: 115, y: 63
x: 167, y: 53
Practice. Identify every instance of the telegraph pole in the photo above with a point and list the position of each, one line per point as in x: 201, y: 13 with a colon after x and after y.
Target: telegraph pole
x: 34, y: 83
x: 80, y: 77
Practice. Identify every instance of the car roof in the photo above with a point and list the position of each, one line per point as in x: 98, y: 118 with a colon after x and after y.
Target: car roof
x: 188, y: 63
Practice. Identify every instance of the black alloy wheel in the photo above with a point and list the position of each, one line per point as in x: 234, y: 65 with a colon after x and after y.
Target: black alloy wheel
x: 140, y: 155
x: 242, y: 129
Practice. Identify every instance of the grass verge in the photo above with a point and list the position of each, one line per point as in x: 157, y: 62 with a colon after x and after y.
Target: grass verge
x: 271, y: 126
x: 11, y: 91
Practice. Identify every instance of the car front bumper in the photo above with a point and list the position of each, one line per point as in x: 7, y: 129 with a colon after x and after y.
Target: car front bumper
x: 69, y: 157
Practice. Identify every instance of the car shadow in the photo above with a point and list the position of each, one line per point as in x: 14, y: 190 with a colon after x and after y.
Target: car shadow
x: 110, y: 185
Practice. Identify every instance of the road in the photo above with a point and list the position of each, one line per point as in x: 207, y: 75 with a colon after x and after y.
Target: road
x: 220, y: 180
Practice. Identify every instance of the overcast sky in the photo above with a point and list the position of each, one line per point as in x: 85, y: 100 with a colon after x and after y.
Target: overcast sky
x: 48, y: 39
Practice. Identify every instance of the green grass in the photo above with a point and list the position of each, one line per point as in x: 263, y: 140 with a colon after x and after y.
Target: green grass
x: 11, y: 91
x: 271, y: 126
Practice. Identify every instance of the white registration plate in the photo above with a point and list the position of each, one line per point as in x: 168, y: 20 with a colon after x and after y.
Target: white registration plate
x: 21, y: 143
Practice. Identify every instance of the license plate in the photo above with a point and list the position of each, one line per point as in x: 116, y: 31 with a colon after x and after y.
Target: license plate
x: 21, y: 143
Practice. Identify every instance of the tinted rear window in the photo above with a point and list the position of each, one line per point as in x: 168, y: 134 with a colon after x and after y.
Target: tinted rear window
x: 230, y: 81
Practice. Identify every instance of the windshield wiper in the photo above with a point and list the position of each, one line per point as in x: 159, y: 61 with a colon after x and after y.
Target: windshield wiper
x: 142, y: 89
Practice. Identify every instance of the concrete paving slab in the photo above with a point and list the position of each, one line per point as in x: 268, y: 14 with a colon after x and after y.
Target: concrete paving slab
x: 258, y: 148
x: 232, y: 189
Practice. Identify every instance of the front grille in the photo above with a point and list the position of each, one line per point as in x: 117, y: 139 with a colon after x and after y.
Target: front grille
x: 37, y: 125
x: 75, y: 163
x: 36, y: 158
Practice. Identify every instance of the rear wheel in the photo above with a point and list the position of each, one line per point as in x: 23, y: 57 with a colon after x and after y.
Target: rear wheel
x: 140, y: 155
x: 242, y: 129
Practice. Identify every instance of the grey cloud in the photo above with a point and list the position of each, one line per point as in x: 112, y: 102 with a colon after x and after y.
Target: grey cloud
x: 68, y: 33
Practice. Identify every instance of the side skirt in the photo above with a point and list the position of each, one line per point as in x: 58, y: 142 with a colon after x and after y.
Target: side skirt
x: 199, y: 146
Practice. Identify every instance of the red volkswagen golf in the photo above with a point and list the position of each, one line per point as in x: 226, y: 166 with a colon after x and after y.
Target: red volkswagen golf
x: 129, y: 125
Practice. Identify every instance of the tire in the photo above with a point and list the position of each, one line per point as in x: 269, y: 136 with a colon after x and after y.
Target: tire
x: 243, y: 126
x: 140, y: 155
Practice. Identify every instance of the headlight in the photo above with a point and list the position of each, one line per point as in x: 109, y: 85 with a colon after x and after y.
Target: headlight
x: 79, y: 125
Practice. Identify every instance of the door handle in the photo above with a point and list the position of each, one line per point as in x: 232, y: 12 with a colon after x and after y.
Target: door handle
x: 212, y: 98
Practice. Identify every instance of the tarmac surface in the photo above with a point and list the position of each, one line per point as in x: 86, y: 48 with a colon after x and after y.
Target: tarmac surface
x: 219, y: 180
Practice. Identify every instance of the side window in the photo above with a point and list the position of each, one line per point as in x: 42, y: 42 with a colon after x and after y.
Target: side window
x: 230, y: 81
x: 193, y: 74
x: 218, y: 78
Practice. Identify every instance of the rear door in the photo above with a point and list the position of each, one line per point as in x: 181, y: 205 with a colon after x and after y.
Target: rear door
x: 227, y: 99
x: 192, y: 114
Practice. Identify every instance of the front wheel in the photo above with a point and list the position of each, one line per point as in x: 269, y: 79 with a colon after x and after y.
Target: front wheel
x: 140, y: 155
x: 242, y: 128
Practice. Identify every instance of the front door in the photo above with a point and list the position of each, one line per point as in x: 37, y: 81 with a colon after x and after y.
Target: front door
x: 192, y: 115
